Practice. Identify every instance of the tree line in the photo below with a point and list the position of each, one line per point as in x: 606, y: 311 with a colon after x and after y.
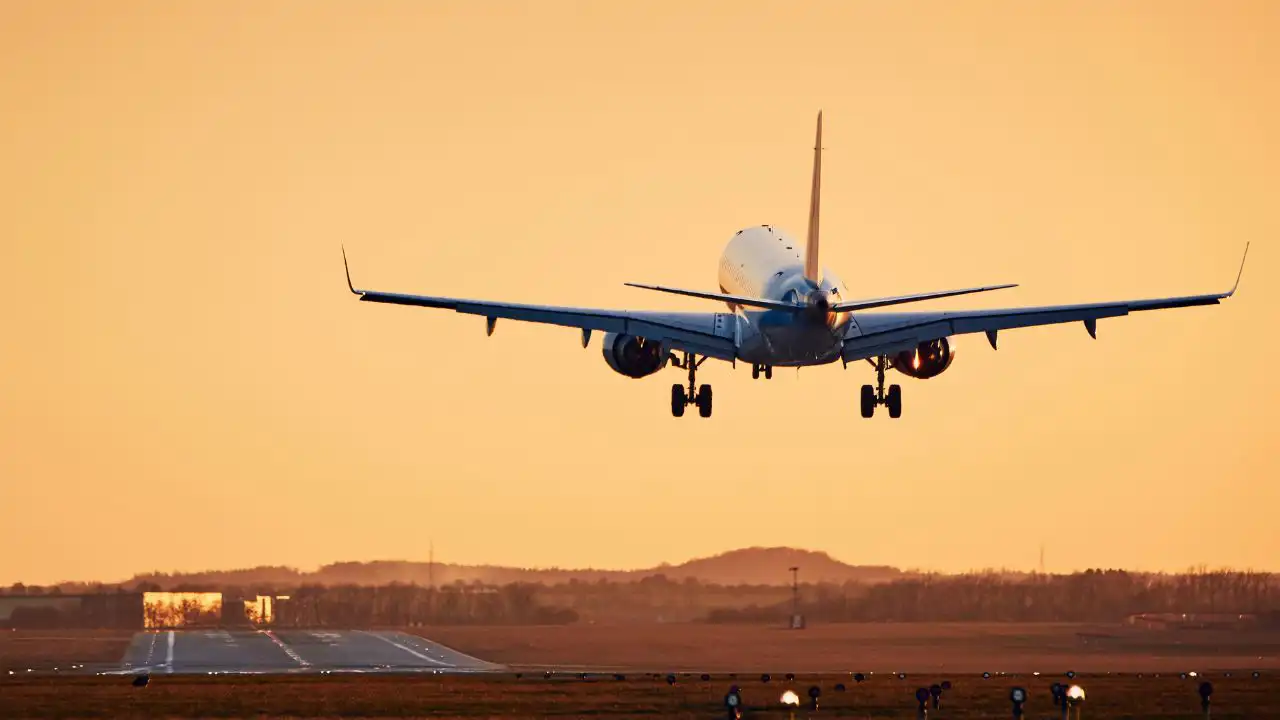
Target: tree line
x: 1090, y: 596
x: 349, y: 606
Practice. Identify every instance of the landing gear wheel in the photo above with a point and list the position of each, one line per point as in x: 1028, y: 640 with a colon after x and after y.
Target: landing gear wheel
x: 704, y: 401
x: 768, y: 372
x: 755, y: 372
x: 894, y: 401
x: 678, y: 400
x: 868, y: 401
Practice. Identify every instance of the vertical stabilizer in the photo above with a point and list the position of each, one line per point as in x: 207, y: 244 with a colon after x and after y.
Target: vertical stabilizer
x: 811, y: 268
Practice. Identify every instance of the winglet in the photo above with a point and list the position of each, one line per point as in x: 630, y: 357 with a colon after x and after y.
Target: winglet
x: 348, y: 269
x: 1241, y: 273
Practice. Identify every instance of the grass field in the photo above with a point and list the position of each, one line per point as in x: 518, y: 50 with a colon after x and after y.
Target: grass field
x: 821, y: 655
x: 505, y: 696
x: 50, y: 648
x: 914, y: 647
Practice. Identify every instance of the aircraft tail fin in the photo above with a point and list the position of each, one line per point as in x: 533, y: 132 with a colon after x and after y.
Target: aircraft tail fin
x: 812, y: 270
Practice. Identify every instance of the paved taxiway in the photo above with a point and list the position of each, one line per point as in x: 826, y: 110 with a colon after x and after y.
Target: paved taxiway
x: 277, y: 651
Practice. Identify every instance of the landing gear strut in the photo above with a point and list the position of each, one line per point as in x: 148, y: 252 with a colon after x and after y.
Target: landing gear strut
x: 680, y: 397
x: 873, y: 396
x: 757, y: 369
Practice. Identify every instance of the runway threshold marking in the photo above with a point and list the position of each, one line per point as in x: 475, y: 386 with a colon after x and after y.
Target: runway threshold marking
x: 287, y: 650
x: 406, y: 648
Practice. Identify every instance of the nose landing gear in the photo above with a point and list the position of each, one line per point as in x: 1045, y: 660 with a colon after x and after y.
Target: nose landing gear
x: 680, y: 397
x: 873, y: 396
x: 757, y: 369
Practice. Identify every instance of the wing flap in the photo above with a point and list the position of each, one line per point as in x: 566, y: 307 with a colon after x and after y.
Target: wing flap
x: 884, y: 333
x: 709, y: 334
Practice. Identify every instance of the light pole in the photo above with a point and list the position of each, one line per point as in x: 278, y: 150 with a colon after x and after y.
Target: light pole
x: 795, y: 596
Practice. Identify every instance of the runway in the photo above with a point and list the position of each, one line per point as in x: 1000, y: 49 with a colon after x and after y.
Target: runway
x: 292, y: 651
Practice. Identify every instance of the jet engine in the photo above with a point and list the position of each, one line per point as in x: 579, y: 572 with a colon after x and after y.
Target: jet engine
x: 633, y: 356
x: 927, y: 360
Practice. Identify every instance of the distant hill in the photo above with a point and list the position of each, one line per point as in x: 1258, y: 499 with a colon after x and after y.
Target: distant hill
x: 750, y: 566
x: 769, y: 566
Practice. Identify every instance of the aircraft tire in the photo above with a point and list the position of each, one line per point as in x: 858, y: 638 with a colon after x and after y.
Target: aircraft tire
x: 677, y: 400
x: 868, y: 401
x: 704, y: 401
x: 894, y: 401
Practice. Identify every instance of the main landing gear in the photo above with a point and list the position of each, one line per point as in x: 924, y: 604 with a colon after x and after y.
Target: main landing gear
x: 680, y: 397
x: 757, y: 369
x: 873, y: 396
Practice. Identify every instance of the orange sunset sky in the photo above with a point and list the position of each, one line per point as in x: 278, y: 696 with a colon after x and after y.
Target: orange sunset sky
x: 185, y: 382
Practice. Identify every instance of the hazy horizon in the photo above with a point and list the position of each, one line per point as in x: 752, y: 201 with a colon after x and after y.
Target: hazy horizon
x: 187, y: 382
x: 656, y: 567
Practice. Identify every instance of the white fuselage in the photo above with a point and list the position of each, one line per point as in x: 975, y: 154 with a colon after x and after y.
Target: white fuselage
x: 767, y: 263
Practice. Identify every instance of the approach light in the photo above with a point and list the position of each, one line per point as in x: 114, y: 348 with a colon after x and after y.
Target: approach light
x: 1192, y: 673
x: 1018, y: 695
x: 946, y: 685
x: 1206, y: 689
x: 859, y: 677
x: 986, y: 676
x: 1075, y: 694
x: 839, y: 687
x: 790, y: 698
x: 764, y: 678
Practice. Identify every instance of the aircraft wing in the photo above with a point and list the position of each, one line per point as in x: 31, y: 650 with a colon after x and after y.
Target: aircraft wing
x: 874, y: 334
x: 705, y: 333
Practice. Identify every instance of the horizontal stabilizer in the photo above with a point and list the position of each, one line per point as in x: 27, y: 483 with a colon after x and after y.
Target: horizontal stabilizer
x: 735, y: 299
x: 903, y: 299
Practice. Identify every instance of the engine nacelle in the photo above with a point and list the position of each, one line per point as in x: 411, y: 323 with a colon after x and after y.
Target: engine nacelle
x: 633, y: 356
x: 928, y: 359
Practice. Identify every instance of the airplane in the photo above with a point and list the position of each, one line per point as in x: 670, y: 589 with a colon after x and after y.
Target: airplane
x: 785, y: 310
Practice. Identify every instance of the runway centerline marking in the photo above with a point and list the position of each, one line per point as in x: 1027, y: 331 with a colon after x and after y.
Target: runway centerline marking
x: 406, y: 648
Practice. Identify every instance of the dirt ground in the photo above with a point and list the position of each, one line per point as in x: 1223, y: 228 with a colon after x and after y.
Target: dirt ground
x: 882, y: 647
x: 505, y: 696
